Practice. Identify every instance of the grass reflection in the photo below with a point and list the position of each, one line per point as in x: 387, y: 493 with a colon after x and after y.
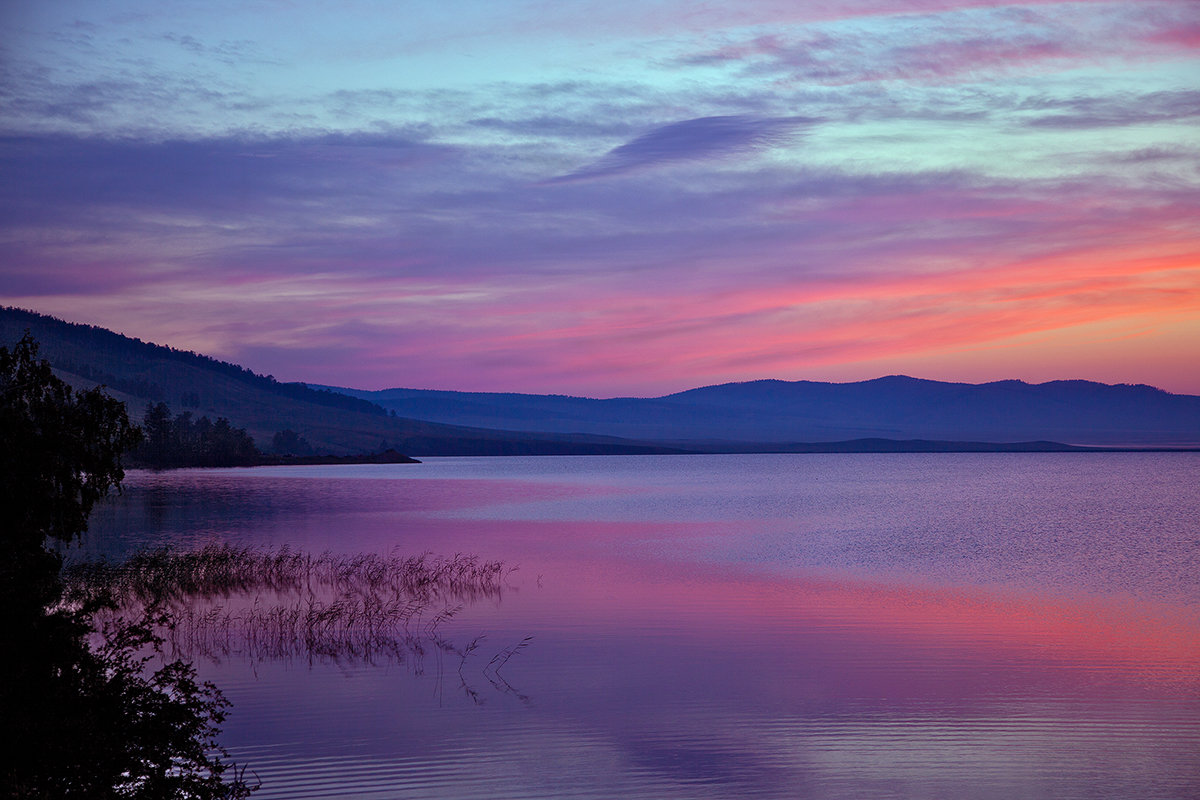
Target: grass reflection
x: 223, y: 601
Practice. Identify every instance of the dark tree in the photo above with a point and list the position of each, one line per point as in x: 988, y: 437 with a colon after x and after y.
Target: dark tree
x: 157, y: 424
x: 188, y: 442
x: 289, y: 443
x: 62, y: 449
x: 83, y: 721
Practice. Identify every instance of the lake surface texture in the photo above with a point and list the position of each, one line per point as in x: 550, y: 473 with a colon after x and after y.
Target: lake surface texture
x: 815, y: 626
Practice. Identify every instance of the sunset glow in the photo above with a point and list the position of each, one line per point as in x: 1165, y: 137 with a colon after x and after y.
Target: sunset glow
x: 618, y: 198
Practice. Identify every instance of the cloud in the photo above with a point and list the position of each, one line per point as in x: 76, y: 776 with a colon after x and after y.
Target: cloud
x: 924, y: 54
x: 224, y: 177
x: 1116, y: 111
x: 701, y: 138
x: 673, y: 17
x: 471, y: 275
x: 961, y: 43
x: 1153, y: 155
x: 231, y: 52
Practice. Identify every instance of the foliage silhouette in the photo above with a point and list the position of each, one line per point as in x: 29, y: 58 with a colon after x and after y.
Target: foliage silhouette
x: 86, y: 721
x: 187, y: 442
x: 288, y: 442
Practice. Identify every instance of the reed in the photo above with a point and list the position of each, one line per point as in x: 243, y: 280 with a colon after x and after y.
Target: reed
x: 222, y: 570
x: 226, y: 601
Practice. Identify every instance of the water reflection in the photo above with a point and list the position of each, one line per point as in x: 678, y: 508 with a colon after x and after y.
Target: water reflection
x: 770, y: 627
x: 223, y: 602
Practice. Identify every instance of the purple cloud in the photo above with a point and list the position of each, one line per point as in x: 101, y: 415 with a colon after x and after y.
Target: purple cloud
x: 704, y: 137
x: 976, y: 42
x: 1110, y: 112
x: 223, y: 177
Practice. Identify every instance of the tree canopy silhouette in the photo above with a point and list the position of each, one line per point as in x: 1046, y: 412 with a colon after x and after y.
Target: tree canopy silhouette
x: 187, y: 442
x: 87, y: 715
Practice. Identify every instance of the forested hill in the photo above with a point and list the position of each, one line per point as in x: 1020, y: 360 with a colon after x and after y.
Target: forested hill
x: 125, y: 363
x: 141, y: 374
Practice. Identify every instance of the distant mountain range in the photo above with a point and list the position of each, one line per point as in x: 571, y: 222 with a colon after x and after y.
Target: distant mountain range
x: 889, y: 414
x: 749, y: 415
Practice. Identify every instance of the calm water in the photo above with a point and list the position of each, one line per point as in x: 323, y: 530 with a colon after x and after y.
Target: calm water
x: 823, y: 626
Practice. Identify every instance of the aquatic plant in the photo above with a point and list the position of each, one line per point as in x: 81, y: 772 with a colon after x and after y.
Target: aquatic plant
x: 220, y: 570
x: 223, y: 600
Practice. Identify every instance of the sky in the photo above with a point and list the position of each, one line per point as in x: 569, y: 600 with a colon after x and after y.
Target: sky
x: 613, y: 198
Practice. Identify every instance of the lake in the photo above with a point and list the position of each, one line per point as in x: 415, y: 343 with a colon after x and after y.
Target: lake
x: 821, y: 626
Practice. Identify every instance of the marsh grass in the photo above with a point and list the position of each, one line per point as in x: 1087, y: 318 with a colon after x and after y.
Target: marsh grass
x: 225, y: 601
x: 221, y: 570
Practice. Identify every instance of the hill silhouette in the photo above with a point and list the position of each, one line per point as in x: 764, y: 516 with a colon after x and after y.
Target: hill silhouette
x: 890, y: 414
x: 782, y: 412
x: 140, y: 373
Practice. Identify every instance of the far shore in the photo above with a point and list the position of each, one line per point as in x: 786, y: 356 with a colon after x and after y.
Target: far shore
x: 852, y: 447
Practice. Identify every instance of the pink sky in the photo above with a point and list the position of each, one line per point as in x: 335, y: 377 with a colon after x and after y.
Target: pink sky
x: 626, y: 199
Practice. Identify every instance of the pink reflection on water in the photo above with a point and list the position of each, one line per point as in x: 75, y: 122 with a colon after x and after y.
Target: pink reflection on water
x: 611, y: 576
x: 750, y: 681
x: 652, y: 670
